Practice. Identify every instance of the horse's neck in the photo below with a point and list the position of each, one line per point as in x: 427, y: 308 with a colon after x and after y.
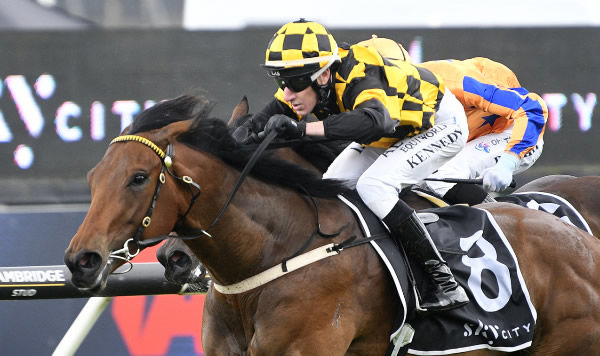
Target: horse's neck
x: 288, y: 154
x: 262, y: 225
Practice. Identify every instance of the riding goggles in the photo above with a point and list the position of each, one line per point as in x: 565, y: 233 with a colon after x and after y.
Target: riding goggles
x: 296, y: 84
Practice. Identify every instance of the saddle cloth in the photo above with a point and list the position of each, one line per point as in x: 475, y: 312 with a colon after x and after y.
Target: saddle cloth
x: 500, y: 315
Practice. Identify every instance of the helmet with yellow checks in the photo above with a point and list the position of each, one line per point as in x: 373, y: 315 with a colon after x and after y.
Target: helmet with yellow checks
x: 299, y: 53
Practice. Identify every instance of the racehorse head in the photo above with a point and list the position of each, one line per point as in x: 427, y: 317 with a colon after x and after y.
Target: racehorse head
x: 171, y: 172
x: 123, y: 185
x: 182, y: 266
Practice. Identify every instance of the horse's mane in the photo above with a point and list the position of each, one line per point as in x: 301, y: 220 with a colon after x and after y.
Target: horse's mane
x: 213, y: 136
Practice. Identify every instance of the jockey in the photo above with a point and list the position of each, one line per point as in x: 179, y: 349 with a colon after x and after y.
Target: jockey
x: 403, y: 122
x: 506, y: 127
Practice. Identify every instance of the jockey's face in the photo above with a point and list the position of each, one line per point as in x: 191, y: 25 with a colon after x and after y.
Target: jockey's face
x: 303, y: 102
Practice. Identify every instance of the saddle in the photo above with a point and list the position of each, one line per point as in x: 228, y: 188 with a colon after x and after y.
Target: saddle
x: 549, y: 203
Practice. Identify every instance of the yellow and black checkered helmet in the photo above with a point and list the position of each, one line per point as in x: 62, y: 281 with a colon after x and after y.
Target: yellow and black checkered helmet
x: 299, y: 48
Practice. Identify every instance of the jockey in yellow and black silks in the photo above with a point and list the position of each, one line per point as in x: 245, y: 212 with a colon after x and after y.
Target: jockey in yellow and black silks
x: 403, y: 122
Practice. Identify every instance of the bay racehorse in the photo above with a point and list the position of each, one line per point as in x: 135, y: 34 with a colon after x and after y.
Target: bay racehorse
x: 175, y: 171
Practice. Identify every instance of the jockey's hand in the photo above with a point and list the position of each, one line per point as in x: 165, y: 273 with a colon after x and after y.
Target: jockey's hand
x: 285, y: 126
x: 247, y: 132
x: 245, y: 135
x: 499, y: 177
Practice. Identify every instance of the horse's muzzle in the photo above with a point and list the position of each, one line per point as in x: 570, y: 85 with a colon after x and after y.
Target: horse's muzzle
x: 178, y: 266
x: 88, y: 270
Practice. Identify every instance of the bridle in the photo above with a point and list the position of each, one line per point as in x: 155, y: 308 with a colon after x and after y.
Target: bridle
x: 166, y: 158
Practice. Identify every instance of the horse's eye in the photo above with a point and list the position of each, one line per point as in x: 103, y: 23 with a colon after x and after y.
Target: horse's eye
x: 138, y: 179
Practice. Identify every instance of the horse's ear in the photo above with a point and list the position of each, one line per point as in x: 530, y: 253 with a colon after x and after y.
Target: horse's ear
x: 125, y: 130
x: 175, y: 129
x: 240, y: 109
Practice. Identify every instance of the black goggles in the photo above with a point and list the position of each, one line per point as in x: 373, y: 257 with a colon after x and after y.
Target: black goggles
x: 296, y: 84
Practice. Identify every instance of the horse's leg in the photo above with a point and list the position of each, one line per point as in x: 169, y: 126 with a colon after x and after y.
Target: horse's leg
x: 377, y: 302
x: 308, y: 324
x: 221, y: 329
x: 569, y: 319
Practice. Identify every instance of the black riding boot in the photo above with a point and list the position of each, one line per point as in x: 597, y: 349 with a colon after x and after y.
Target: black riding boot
x: 408, y: 231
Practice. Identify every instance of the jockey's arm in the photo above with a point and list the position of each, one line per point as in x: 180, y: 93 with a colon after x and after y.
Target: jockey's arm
x: 526, y: 112
x: 368, y: 122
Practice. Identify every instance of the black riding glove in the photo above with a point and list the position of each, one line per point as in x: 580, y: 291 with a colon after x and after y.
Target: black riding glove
x: 285, y: 126
x: 244, y: 135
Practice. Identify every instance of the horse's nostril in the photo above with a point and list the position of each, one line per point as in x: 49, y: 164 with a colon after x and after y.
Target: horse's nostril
x: 180, y: 259
x: 83, y: 260
x: 89, y: 260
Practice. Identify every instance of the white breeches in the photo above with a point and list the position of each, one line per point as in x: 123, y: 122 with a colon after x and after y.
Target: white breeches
x: 379, y: 174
